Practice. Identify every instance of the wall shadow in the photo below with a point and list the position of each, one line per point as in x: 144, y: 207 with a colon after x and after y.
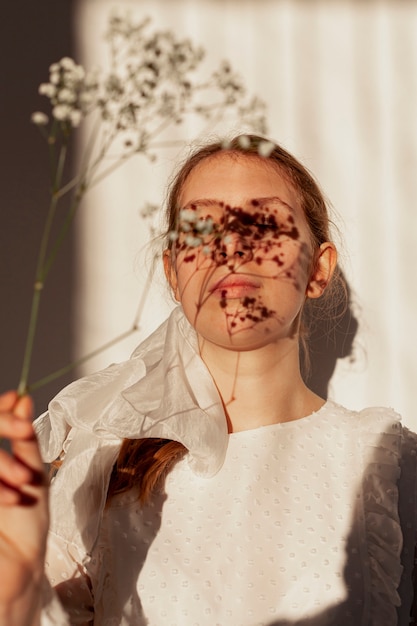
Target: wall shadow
x: 33, y: 35
x: 330, y: 338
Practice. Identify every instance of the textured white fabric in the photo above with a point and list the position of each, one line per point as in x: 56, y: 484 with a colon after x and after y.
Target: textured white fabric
x: 53, y: 612
x: 294, y: 523
x: 163, y: 391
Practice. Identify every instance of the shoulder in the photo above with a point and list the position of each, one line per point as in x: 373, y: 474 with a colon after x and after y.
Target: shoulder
x: 387, y: 463
x: 384, y: 425
x: 408, y: 465
x: 376, y: 419
x: 376, y: 432
x: 387, y: 447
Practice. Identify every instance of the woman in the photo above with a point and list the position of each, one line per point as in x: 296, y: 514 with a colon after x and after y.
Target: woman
x: 202, y: 481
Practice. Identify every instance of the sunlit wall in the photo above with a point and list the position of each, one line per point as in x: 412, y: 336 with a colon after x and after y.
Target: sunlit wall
x: 340, y: 82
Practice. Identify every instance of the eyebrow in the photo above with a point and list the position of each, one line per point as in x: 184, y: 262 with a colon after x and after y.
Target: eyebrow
x: 254, y: 202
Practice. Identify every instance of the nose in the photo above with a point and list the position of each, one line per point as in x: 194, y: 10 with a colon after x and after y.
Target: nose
x: 233, y: 250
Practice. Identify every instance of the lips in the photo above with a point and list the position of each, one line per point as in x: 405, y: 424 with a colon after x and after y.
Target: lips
x: 234, y: 286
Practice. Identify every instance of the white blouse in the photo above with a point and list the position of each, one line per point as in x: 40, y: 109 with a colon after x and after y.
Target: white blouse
x: 308, y: 522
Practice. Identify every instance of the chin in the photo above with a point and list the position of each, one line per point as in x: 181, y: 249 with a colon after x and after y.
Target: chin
x: 245, y: 336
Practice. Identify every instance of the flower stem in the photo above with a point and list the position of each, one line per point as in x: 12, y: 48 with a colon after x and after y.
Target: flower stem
x: 33, y: 320
x: 37, y: 289
x: 135, y: 327
x: 48, y: 263
x: 70, y: 366
x: 40, y: 278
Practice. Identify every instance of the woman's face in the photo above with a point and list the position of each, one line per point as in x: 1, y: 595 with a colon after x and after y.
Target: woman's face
x: 242, y: 260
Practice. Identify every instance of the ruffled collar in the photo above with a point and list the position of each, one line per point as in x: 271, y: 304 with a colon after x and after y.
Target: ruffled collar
x: 164, y: 390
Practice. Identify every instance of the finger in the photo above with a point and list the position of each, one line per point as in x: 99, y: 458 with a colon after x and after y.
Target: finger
x: 26, y: 475
x: 8, y: 400
x: 25, y: 469
x: 27, y: 450
x: 8, y: 495
x: 23, y: 408
x: 19, y: 482
x: 14, y: 473
x: 12, y: 427
x: 24, y: 496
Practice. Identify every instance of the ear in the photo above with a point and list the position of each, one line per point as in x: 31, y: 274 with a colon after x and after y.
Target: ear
x: 170, y: 273
x: 322, y: 273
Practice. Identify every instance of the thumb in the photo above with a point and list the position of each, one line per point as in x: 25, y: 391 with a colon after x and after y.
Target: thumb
x: 23, y: 408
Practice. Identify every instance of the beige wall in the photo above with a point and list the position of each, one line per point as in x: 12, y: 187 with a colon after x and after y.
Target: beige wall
x: 340, y: 81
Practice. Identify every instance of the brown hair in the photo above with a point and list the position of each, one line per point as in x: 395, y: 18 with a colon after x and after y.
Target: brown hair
x: 332, y: 305
x: 312, y: 200
x: 144, y: 463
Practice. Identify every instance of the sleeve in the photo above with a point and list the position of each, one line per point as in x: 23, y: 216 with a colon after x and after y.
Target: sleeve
x: 380, y: 440
x: 68, y: 597
x: 408, y: 514
x: 77, y: 499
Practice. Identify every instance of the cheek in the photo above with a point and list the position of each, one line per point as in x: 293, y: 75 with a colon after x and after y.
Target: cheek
x: 288, y: 257
x: 193, y: 270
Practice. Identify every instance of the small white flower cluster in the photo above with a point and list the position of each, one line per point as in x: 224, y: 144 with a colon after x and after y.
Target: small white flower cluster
x: 151, y: 83
x: 71, y: 91
x: 195, y: 229
x: 265, y: 147
x: 229, y: 82
x: 151, y: 87
x: 149, y: 210
x: 39, y: 118
x: 150, y: 76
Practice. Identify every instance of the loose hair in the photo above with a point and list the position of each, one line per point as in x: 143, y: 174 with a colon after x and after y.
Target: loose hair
x: 144, y: 463
x: 311, y: 197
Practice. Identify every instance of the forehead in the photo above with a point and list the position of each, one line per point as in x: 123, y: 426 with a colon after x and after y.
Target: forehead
x: 237, y: 179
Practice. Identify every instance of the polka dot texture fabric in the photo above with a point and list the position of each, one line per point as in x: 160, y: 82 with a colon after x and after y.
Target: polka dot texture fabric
x: 300, y: 526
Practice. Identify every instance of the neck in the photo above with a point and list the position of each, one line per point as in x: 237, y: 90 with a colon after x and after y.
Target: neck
x: 260, y: 387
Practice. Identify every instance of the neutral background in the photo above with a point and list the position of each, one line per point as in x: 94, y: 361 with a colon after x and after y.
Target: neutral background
x: 340, y: 81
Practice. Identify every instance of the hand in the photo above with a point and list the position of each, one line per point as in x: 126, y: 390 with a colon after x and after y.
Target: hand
x: 23, y: 512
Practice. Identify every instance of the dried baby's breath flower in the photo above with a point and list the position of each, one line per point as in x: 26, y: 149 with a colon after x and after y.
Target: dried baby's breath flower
x: 204, y: 226
x: 192, y: 241
x: 244, y: 142
x: 39, y: 118
x: 71, y: 91
x: 265, y: 148
x: 75, y: 117
x: 67, y: 63
x: 187, y: 215
x: 61, y: 112
x: 173, y: 235
x: 149, y: 210
x: 152, y: 85
x: 67, y: 95
x: 47, y: 89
